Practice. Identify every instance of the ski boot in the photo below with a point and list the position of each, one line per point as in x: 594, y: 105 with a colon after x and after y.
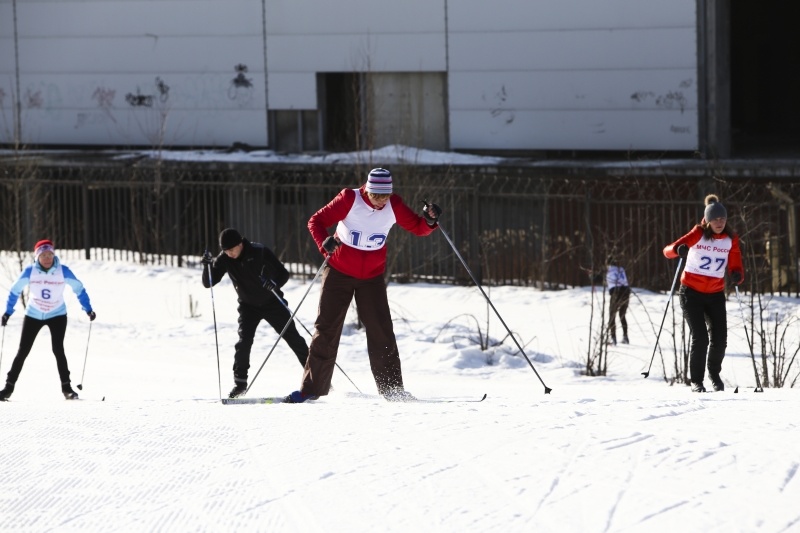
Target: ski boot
x: 5, y: 393
x: 69, y: 394
x: 239, y: 389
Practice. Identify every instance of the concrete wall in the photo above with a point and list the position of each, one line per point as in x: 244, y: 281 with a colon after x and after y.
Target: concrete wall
x: 520, y: 74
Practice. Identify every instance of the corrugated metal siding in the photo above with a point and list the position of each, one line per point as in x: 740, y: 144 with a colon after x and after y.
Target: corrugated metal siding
x: 550, y: 74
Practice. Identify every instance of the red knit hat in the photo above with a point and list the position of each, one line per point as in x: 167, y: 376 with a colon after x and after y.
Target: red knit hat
x: 45, y: 245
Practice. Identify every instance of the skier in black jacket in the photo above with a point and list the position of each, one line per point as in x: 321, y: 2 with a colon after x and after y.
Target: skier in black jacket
x: 257, y: 275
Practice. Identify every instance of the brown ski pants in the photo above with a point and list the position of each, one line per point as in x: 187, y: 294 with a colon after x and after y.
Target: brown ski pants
x: 373, y: 310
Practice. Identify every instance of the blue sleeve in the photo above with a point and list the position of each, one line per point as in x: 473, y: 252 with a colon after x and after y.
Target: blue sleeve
x: 16, y: 289
x: 77, y: 287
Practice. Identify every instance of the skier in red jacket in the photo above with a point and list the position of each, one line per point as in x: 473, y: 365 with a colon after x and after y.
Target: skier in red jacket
x: 710, y: 249
x: 356, y: 262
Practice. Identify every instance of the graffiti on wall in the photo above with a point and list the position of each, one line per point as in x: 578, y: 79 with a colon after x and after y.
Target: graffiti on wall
x: 669, y: 100
x: 146, y: 100
x: 33, y: 99
x: 240, y: 89
x: 499, y: 109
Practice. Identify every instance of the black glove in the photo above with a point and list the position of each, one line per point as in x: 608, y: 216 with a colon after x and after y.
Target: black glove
x: 682, y: 250
x: 6, y: 316
x: 736, y: 277
x: 207, y: 258
x: 431, y: 212
x: 268, y: 284
x: 330, y: 244
x: 91, y: 315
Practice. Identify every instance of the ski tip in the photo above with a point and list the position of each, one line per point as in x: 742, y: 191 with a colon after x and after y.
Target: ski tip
x: 252, y: 401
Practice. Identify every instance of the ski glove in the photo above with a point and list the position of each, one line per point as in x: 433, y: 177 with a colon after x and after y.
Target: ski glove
x: 682, y: 250
x: 431, y: 212
x: 207, y: 258
x: 91, y: 315
x: 736, y: 277
x: 268, y: 284
x: 6, y: 316
x: 330, y: 244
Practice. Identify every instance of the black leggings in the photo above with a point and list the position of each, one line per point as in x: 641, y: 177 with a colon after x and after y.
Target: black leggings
x: 30, y: 329
x: 708, y: 324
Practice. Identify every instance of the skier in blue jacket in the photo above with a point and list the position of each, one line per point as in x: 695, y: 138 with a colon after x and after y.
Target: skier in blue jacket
x: 47, y: 278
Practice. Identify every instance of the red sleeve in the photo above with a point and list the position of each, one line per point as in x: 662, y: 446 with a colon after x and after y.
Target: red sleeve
x: 690, y: 239
x: 330, y: 215
x: 735, y: 258
x: 408, y: 219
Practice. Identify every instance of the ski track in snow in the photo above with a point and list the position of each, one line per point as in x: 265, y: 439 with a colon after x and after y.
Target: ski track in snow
x: 197, y: 465
x: 612, y: 454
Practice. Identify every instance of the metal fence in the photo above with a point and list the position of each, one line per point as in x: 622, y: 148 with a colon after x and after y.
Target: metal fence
x: 510, y: 225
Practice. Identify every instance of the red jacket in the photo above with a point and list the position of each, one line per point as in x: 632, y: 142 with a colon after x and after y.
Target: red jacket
x: 361, y: 264
x: 699, y: 282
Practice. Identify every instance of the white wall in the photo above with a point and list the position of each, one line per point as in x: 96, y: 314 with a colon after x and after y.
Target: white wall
x: 523, y: 74
x: 573, y: 74
x: 79, y: 60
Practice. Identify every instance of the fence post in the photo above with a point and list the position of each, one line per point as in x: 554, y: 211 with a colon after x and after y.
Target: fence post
x: 86, y: 211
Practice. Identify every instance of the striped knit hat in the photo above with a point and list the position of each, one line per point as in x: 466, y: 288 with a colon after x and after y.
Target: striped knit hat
x: 379, y: 181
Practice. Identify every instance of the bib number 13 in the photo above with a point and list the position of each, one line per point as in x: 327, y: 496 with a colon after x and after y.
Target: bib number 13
x: 375, y: 240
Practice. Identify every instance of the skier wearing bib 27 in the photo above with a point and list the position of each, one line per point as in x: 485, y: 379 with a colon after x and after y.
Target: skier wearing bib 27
x: 710, y: 249
x: 47, y: 278
x: 356, y: 262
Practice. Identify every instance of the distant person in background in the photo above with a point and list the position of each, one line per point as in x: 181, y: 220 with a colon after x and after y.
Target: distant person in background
x: 619, y: 293
x: 46, y: 277
x: 257, y: 275
x: 710, y: 250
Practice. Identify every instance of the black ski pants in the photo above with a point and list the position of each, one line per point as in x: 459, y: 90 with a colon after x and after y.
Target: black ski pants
x: 372, y: 304
x: 30, y: 329
x: 619, y: 297
x: 707, y: 319
x: 276, y: 316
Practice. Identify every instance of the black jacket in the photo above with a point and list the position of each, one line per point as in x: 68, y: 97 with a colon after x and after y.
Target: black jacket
x: 247, y: 271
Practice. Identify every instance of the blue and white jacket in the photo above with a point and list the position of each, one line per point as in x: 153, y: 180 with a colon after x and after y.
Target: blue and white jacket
x: 46, y: 293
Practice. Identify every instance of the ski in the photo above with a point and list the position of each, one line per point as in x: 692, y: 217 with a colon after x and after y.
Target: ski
x: 282, y: 399
x: 449, y: 400
x: 243, y: 401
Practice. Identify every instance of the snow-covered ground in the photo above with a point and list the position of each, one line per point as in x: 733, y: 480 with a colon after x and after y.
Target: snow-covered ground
x: 150, y: 447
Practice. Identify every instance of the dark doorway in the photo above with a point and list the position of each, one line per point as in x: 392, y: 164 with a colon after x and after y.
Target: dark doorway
x: 341, y: 97
x: 765, y: 78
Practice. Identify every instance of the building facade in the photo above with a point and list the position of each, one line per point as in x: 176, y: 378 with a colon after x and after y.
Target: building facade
x: 307, y: 75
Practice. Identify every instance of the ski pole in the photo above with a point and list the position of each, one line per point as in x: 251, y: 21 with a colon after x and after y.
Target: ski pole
x: 2, y: 344
x: 311, y: 334
x: 749, y: 344
x: 85, y: 356
x: 658, y: 336
x: 324, y: 263
x: 216, y: 338
x: 446, y: 236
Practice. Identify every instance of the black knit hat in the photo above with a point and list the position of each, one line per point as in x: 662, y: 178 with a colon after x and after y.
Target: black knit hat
x: 229, y: 238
